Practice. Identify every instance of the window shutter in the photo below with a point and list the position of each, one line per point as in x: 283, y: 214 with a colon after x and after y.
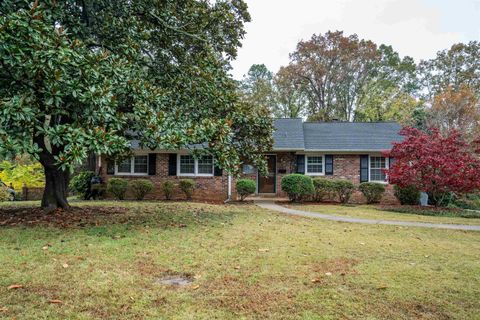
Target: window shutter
x: 364, y: 168
x: 110, y: 166
x: 217, y: 172
x: 329, y: 165
x: 300, y: 163
x: 172, y: 164
x: 152, y: 164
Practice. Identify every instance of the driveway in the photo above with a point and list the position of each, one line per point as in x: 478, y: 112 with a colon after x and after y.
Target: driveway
x: 271, y: 205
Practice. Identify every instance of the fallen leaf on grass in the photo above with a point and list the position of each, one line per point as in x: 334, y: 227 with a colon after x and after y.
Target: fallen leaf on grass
x: 328, y: 274
x: 382, y: 287
x: 195, y: 287
x: 3, y: 309
x: 55, y: 301
x: 237, y: 267
x: 15, y: 286
x: 315, y: 280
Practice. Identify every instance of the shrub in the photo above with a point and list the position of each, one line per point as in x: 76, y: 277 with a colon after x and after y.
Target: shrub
x: 245, y: 187
x: 323, y: 188
x: 4, y: 193
x: 117, y: 187
x: 344, y: 189
x: 297, y: 186
x: 168, y: 187
x: 141, y: 187
x: 81, y: 183
x: 407, y: 195
x: 188, y: 186
x: 372, y: 191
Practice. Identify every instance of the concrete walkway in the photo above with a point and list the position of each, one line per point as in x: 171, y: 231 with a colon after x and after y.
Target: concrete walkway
x: 271, y: 205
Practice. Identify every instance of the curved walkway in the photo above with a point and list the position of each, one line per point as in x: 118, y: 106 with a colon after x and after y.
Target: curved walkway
x: 271, y: 205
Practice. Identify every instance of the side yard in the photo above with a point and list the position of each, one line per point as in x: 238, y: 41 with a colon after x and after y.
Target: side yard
x: 109, y: 259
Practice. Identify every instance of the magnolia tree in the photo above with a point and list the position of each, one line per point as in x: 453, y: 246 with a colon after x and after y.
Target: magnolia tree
x: 88, y: 76
x: 434, y: 163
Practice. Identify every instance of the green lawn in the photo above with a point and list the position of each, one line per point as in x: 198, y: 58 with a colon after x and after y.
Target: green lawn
x: 245, y: 263
x: 374, y: 212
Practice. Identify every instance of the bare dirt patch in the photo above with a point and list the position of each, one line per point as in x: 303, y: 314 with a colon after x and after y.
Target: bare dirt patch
x: 340, y: 266
x: 75, y: 217
x: 238, y: 296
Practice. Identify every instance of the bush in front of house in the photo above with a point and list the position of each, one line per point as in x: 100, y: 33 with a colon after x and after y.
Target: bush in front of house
x: 407, y: 195
x: 324, y: 188
x: 297, y: 186
x: 372, y: 191
x: 4, y: 193
x: 117, y: 187
x: 81, y: 184
x: 343, y: 189
x: 141, y: 187
x: 167, y: 188
x: 187, y: 186
x: 245, y: 187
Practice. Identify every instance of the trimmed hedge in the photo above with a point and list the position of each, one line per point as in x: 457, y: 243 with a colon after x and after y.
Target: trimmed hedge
x: 344, y: 189
x: 81, y: 183
x: 141, y: 187
x: 167, y: 188
x: 188, y: 186
x: 297, y: 186
x: 324, y: 188
x: 245, y: 187
x: 408, y: 195
x: 117, y: 187
x: 372, y: 191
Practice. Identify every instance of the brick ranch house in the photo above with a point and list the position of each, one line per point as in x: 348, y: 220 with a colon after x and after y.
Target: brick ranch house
x: 338, y: 150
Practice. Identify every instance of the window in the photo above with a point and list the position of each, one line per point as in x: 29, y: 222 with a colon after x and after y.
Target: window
x: 141, y: 164
x: 137, y: 165
x: 315, y: 165
x: 189, y: 166
x: 377, y: 167
x: 205, y: 165
x: 125, y: 166
x: 248, y: 169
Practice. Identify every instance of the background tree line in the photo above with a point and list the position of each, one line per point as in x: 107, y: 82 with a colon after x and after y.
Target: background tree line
x: 334, y: 76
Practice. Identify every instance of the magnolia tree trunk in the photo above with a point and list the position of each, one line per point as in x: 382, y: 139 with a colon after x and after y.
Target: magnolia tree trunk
x: 56, y: 184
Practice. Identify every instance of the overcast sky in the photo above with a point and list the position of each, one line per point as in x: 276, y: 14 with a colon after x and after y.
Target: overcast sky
x: 418, y: 28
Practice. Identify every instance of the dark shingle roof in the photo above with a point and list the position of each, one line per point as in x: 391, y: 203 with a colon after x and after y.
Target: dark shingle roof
x: 288, y: 134
x: 335, y: 136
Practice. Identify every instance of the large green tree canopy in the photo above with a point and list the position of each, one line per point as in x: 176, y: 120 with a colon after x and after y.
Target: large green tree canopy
x: 88, y: 76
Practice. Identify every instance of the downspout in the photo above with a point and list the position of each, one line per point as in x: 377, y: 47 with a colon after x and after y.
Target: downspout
x: 229, y: 189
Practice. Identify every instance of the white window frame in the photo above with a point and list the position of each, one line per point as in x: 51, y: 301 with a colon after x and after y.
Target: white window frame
x: 387, y: 163
x: 132, y: 167
x: 195, y: 174
x: 315, y: 173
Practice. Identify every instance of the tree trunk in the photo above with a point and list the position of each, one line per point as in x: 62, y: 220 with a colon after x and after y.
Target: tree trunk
x: 56, y: 184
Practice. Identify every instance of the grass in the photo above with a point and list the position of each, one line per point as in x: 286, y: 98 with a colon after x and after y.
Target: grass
x: 396, y: 213
x: 245, y: 263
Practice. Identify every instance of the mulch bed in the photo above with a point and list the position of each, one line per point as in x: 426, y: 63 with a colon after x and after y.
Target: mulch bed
x: 75, y: 217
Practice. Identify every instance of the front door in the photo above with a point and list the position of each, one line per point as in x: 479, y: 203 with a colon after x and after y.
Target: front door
x: 267, y: 183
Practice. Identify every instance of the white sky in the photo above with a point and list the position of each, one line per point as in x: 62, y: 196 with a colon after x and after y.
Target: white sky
x: 418, y: 28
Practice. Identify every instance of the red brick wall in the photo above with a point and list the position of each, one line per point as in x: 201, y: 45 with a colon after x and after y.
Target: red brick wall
x: 346, y: 166
x: 207, y: 189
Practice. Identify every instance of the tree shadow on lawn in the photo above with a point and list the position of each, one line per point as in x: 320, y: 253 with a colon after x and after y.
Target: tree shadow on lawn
x: 163, y: 216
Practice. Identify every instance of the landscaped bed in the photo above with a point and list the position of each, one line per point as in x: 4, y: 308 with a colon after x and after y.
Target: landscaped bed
x: 393, y: 212
x: 136, y: 260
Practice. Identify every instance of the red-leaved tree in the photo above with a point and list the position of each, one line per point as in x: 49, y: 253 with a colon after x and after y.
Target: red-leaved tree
x: 434, y: 163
